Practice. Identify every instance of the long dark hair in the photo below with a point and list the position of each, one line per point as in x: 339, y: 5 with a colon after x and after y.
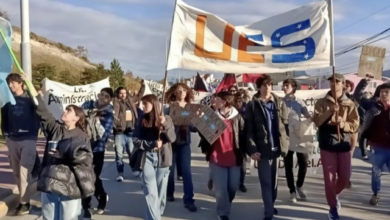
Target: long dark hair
x: 170, y: 95
x: 82, y: 122
x: 151, y: 119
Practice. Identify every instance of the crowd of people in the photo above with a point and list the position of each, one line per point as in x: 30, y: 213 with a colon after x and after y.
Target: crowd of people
x: 257, y: 128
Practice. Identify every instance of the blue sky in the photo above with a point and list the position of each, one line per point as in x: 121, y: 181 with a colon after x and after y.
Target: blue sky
x: 135, y: 31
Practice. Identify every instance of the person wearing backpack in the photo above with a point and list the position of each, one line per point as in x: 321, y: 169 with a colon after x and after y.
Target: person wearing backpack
x: 66, y: 174
x: 101, y: 121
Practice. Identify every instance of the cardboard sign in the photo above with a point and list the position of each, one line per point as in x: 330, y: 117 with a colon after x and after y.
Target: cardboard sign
x: 209, y: 125
x: 129, y: 116
x: 371, y: 61
x: 182, y: 116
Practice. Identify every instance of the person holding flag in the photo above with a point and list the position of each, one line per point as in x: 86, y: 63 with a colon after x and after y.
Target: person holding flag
x: 337, y: 120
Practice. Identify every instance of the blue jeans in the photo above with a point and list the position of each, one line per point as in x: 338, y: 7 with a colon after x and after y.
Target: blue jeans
x: 55, y: 207
x: 122, y: 142
x: 184, y: 152
x: 226, y: 182
x: 381, y: 157
x: 154, y: 185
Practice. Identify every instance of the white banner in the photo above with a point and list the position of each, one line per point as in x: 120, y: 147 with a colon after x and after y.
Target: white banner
x: 309, y: 97
x: 296, y: 40
x: 57, y: 95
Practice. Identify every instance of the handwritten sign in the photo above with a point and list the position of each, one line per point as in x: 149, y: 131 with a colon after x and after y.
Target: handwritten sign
x: 209, y: 125
x: 182, y: 116
x: 371, y: 61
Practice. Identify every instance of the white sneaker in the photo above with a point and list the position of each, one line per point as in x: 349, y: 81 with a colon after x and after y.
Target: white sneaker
x: 301, y: 193
x: 120, y: 178
x: 293, y: 197
x: 338, y: 206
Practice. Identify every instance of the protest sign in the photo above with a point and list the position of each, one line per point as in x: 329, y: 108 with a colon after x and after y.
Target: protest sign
x: 182, y: 116
x: 58, y: 95
x: 371, y: 61
x: 309, y: 97
x: 155, y: 88
x: 209, y: 125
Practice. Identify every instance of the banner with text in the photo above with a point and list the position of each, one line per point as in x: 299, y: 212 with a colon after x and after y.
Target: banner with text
x: 299, y: 39
x: 309, y: 97
x: 58, y: 95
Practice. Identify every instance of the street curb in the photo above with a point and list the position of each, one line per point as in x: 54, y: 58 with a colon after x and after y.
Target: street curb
x: 7, y: 203
x: 12, y: 200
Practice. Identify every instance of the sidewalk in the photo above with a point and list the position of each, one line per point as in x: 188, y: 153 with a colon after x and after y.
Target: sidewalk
x: 127, y: 199
x: 8, y: 189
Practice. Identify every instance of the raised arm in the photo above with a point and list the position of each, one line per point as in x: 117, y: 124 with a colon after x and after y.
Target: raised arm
x: 48, y: 122
x: 359, y: 90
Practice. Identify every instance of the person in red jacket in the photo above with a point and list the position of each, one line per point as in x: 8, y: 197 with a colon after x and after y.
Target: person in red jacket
x: 225, y: 155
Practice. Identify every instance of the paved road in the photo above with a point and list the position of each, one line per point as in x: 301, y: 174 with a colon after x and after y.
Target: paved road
x: 126, y: 199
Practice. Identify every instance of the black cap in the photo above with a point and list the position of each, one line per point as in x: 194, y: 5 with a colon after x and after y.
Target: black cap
x: 338, y: 77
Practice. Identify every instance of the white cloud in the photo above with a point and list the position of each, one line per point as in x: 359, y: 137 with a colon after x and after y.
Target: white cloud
x: 138, y: 44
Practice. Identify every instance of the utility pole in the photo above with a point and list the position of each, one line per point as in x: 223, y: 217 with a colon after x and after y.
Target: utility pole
x: 25, y: 46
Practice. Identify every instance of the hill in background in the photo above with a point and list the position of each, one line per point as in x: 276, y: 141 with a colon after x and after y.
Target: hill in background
x: 68, y: 65
x: 47, y: 51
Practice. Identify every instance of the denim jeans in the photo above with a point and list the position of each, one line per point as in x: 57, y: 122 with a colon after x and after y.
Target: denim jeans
x: 55, y: 207
x: 226, y: 182
x: 154, y: 185
x: 184, y: 152
x: 122, y: 142
x: 381, y: 157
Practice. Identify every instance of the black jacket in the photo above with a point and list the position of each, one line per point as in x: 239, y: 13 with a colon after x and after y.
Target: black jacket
x: 257, y: 131
x: 239, y: 139
x: 23, y: 111
x: 69, y: 172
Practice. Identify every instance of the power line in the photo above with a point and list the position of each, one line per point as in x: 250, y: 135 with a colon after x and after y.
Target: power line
x: 367, y: 41
x: 360, y: 20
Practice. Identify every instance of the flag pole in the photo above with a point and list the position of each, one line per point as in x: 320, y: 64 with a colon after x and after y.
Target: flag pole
x: 332, y: 56
x: 167, y: 57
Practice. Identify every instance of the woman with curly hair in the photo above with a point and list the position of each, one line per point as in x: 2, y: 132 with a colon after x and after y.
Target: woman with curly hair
x: 180, y: 94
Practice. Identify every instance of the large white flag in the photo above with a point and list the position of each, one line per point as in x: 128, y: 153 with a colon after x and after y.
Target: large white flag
x: 296, y: 40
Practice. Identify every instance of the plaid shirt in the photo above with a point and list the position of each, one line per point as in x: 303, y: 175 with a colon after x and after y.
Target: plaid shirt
x: 107, y: 121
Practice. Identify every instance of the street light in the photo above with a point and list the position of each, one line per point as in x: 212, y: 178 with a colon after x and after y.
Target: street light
x: 25, y: 46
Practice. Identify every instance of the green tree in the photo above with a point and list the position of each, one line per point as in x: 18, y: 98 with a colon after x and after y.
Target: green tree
x: 117, y: 77
x: 41, y: 71
x: 67, y: 78
x: 91, y: 75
